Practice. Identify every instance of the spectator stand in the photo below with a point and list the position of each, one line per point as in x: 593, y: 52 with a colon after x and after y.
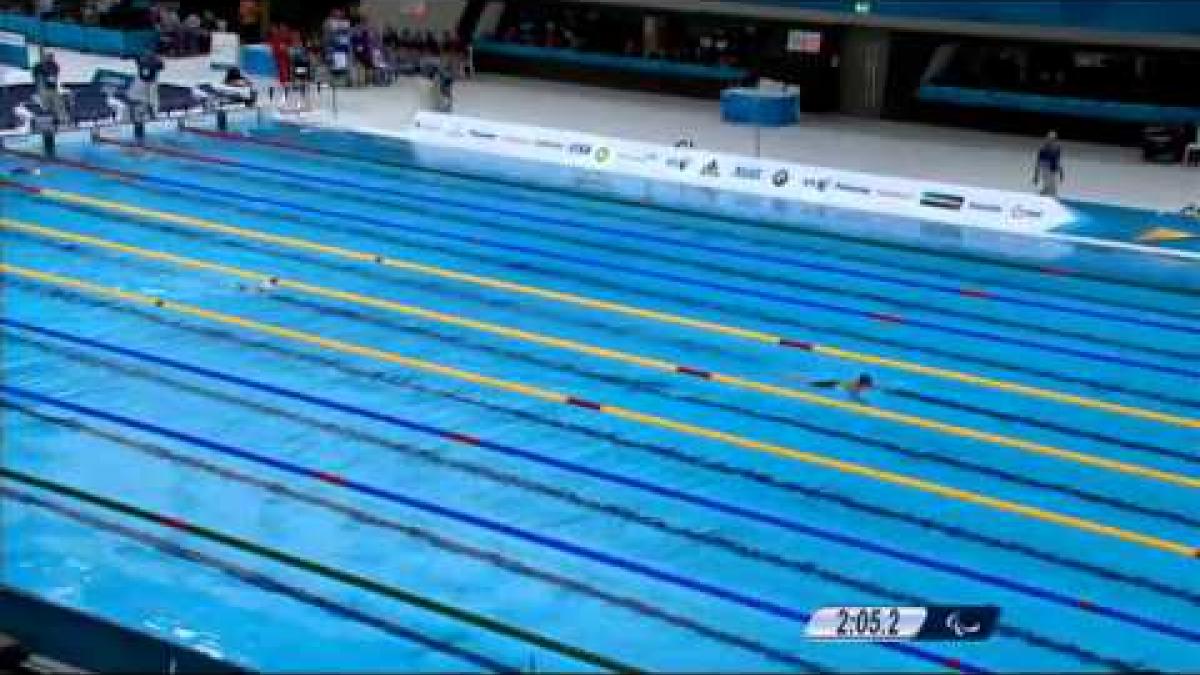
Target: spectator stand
x: 102, y: 40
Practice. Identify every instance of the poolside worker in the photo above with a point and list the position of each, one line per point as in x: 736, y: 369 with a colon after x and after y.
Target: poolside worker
x: 145, y: 85
x: 1048, y: 169
x: 855, y: 387
x: 45, y: 77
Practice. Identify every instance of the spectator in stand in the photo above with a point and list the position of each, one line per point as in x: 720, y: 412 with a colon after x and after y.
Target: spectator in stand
x: 360, y: 47
x: 45, y: 78
x: 235, y: 78
x: 338, y: 44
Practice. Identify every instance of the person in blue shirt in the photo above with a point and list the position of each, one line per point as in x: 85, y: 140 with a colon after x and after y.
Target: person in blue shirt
x: 45, y: 78
x: 145, y: 85
x: 1048, y: 170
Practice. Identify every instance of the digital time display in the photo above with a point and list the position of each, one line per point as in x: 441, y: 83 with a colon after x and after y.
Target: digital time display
x: 883, y: 624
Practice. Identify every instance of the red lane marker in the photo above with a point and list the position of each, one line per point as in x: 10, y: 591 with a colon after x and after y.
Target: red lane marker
x: 173, y: 522
x: 975, y: 293
x: 581, y: 403
x: 329, y: 477
x: 1085, y: 604
x: 27, y: 189
x: 797, y: 344
x: 887, y: 318
x: 1055, y: 271
x: 463, y: 438
x: 696, y: 372
x: 954, y: 663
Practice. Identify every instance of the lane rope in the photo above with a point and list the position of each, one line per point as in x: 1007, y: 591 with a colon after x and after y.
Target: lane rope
x: 735, y: 597
x: 614, y: 355
x: 816, y: 459
x: 830, y: 351
x: 708, y: 503
x: 298, y: 562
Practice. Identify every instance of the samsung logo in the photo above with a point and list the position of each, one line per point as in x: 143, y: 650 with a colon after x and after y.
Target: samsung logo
x: 482, y: 134
x: 1021, y: 213
x: 939, y: 200
x: 543, y: 143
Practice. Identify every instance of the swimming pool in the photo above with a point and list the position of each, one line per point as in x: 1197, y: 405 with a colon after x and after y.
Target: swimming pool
x: 295, y: 399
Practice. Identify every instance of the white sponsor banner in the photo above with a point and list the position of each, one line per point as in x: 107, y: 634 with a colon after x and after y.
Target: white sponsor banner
x: 819, y: 186
x: 226, y: 50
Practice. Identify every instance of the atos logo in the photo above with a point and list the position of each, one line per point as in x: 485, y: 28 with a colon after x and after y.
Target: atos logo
x: 681, y: 163
x: 780, y: 178
x: 581, y: 149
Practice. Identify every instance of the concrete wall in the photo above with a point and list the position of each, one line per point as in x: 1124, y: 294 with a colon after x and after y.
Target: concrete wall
x: 443, y: 14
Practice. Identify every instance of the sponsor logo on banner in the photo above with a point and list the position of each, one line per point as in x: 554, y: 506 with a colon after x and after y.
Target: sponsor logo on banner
x: 580, y: 149
x: 855, y: 189
x: 898, y: 195
x: 780, y: 178
x: 603, y: 155
x: 818, y: 184
x: 748, y: 173
x: 553, y: 145
x: 680, y: 163
x: 712, y: 169
x: 1019, y: 212
x: 986, y: 208
x: 475, y: 133
x: 940, y: 200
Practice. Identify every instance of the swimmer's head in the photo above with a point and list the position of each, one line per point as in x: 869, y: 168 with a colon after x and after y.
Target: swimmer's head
x: 862, y: 383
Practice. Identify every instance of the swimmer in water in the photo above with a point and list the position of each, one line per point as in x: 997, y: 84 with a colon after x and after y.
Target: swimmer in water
x: 855, y: 388
x: 264, y: 286
x: 26, y: 171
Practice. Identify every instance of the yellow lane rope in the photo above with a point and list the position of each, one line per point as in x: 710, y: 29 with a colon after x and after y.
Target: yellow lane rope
x: 813, y: 458
x: 611, y: 354
x: 628, y: 310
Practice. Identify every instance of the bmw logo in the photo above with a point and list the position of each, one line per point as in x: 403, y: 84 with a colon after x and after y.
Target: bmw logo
x: 603, y: 155
x: 780, y: 178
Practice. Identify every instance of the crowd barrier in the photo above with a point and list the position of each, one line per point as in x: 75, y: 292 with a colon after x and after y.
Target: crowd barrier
x: 971, y: 221
x: 90, y: 39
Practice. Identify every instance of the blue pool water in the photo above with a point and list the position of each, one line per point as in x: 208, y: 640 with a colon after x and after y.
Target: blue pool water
x: 626, y: 535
